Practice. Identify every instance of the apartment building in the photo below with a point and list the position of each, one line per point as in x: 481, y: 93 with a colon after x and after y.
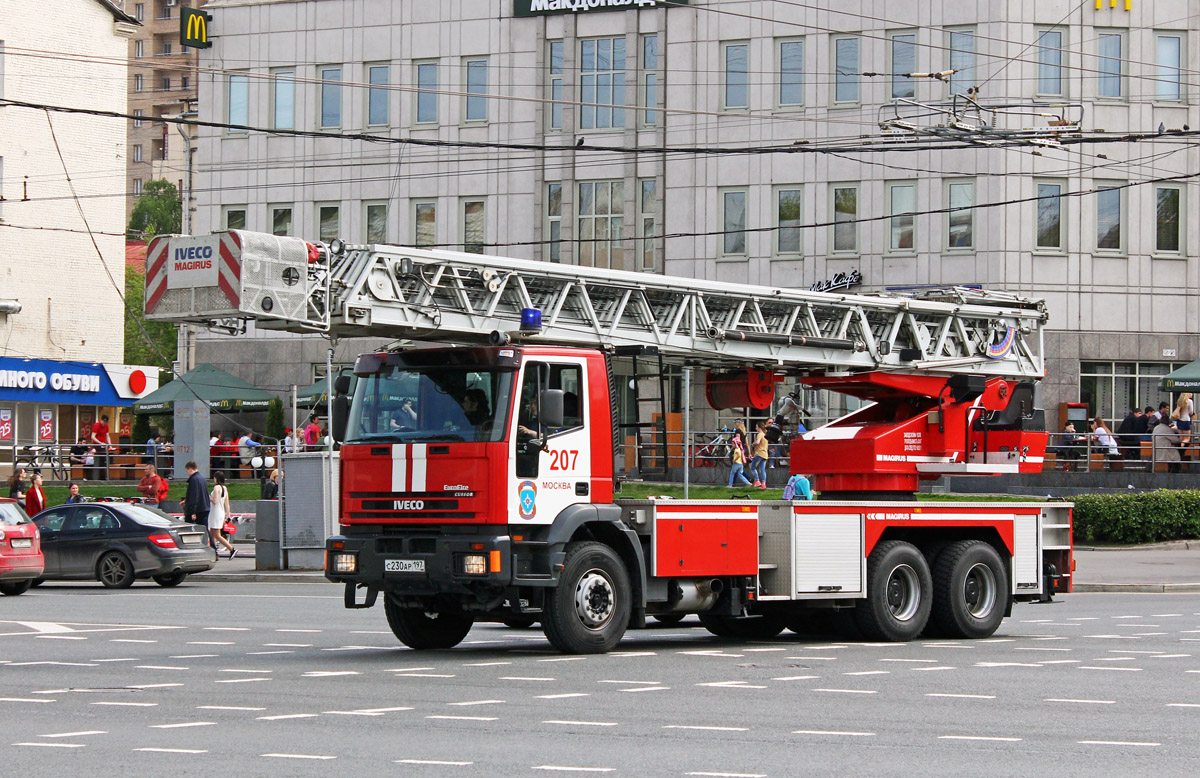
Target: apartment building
x: 688, y: 95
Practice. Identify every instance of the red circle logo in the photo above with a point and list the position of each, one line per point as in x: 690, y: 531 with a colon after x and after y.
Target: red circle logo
x: 137, y: 382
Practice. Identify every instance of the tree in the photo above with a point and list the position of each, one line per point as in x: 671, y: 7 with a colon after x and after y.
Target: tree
x: 141, y: 429
x: 159, y: 211
x: 274, y: 425
x: 146, y: 342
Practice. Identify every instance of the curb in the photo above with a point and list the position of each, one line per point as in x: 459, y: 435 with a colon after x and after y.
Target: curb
x: 1170, y: 545
x: 263, y: 577
x: 1163, y: 588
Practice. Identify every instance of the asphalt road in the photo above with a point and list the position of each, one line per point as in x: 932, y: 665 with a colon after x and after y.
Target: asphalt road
x: 279, y: 679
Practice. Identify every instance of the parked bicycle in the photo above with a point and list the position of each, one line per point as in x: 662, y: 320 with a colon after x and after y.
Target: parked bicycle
x: 35, y: 459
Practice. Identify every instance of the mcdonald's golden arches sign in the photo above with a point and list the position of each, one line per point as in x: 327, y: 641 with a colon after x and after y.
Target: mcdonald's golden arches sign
x: 193, y: 28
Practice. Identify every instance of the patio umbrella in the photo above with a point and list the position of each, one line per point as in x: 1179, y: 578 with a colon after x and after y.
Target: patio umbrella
x: 1184, y: 379
x: 316, y: 395
x: 222, y: 392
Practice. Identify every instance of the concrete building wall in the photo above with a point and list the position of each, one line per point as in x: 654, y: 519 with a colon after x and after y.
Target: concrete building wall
x: 1134, y: 301
x: 71, y: 306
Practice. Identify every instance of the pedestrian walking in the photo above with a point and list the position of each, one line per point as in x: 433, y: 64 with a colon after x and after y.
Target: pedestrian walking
x: 738, y: 455
x: 150, y: 485
x: 35, y: 498
x: 758, y: 455
x: 312, y: 433
x: 100, y: 440
x: 218, y: 511
x: 73, y: 495
x: 196, y: 504
x: 16, y: 484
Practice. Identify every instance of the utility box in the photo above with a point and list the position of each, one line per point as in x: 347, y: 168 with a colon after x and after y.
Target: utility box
x: 233, y: 275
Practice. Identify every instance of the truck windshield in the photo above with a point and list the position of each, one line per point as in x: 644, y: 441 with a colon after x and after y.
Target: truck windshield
x: 407, y: 404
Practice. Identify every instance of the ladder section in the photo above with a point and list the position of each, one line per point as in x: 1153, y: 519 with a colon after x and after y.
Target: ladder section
x: 424, y: 294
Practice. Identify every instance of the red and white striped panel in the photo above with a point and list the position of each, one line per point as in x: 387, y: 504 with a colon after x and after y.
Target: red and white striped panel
x: 230, y: 279
x: 409, y: 467
x: 156, y: 271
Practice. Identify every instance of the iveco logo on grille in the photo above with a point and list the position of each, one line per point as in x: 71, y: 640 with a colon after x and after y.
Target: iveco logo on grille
x: 410, y: 505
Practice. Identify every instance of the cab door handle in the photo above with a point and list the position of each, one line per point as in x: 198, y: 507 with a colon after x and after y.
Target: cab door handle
x: 581, y: 489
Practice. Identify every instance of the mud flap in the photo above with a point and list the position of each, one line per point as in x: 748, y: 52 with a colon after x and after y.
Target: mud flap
x: 351, y: 601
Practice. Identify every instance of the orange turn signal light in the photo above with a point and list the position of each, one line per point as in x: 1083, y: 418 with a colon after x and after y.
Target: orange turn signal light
x: 494, y: 561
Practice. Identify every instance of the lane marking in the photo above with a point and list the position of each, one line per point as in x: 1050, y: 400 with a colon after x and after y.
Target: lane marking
x: 23, y: 699
x: 524, y: 678
x: 543, y: 696
x: 732, y: 685
x: 382, y: 710
x: 297, y: 756
x: 241, y: 680
x: 173, y: 750
x: 633, y: 653
x: 796, y: 678
x: 963, y: 696
x: 882, y: 672
x: 416, y: 675
x: 299, y: 630
x: 78, y: 734
x: 465, y: 718
x: 152, y: 685
x: 133, y: 659
x: 226, y: 707
x: 478, y: 702
x: 227, y: 629
x: 633, y: 683
x: 707, y: 729
x: 211, y: 643
x: 831, y: 732
x: 433, y: 762
x: 264, y: 653
x: 570, y: 723
x: 485, y: 664
x: 1114, y: 743
x: 980, y: 737
x: 408, y: 669
x: 184, y: 724
x: 731, y: 775
x: 53, y: 745
x: 1183, y: 704
x: 161, y: 667
x: 328, y: 673
x: 251, y: 672
x: 647, y: 689
x: 1113, y: 668
x: 563, y: 659
x: 349, y: 713
x: 1082, y: 702
x: 287, y: 645
x: 283, y: 716
x: 924, y: 661
x: 178, y: 656
x: 565, y: 769
x: 932, y: 669
x: 128, y: 704
x: 847, y: 691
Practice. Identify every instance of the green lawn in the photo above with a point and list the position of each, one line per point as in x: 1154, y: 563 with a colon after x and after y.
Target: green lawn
x: 56, y: 495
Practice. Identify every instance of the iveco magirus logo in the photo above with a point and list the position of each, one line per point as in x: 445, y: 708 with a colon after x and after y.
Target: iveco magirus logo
x: 410, y: 505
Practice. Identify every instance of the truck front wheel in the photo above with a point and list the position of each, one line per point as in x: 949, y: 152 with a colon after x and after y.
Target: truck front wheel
x: 588, y: 611
x: 422, y: 630
x: 899, y: 593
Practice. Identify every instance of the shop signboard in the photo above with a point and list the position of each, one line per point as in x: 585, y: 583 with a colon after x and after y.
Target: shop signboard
x: 45, y: 381
x: 543, y: 7
x: 45, y: 425
x: 6, y: 425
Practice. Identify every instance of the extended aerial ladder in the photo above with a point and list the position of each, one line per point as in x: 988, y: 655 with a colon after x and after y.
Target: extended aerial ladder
x: 968, y: 355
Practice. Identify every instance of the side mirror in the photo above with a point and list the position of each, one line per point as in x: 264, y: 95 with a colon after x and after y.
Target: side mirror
x: 341, y: 384
x: 339, y: 412
x: 550, y: 408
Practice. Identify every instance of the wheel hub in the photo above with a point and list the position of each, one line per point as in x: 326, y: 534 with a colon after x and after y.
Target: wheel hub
x: 903, y: 593
x: 980, y: 590
x: 594, y: 600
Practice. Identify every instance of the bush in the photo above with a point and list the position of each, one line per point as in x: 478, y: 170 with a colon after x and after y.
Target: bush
x: 274, y: 425
x: 1139, y: 517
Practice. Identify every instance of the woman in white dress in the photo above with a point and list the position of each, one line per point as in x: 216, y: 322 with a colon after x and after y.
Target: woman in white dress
x: 218, y: 511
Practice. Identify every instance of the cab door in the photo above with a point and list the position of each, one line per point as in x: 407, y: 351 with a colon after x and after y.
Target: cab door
x: 550, y: 467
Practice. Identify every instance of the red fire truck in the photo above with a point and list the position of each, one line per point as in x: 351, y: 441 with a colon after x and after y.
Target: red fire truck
x: 480, y: 481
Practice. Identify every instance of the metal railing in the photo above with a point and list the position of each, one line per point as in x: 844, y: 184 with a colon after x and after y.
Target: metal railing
x: 1084, y: 453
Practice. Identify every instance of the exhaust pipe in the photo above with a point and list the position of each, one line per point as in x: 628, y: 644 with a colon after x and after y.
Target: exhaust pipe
x: 695, y: 594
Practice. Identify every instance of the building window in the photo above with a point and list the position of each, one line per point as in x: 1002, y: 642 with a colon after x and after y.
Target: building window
x: 235, y: 217
x: 556, y: 84
x: 477, y: 87
x: 139, y: 48
x: 237, y: 106
x: 424, y: 224
x: 1109, y: 202
x: 733, y: 222
x: 845, y: 70
x: 904, y: 62
x: 1168, y: 207
x: 184, y: 82
x: 139, y: 12
x: 1050, y: 63
x: 427, y: 99
x: 376, y: 218
x: 137, y: 82
x: 1050, y: 215
x: 788, y: 220
x: 137, y: 117
x: 791, y: 73
x: 1110, y: 81
x: 901, y: 202
x: 554, y: 209
x: 377, y: 95
x: 328, y: 226
x: 331, y: 97
x: 845, y: 218
x: 960, y: 221
x: 137, y: 153
x: 1169, y: 56
x: 648, y: 224
x: 649, y: 71
x: 283, y: 102
x: 137, y: 187
x: 962, y: 61
x: 281, y: 220
x: 1113, y: 389
x: 602, y: 83
x: 736, y: 57
x: 165, y: 84
x: 601, y: 220
x: 166, y: 49
x: 474, y: 226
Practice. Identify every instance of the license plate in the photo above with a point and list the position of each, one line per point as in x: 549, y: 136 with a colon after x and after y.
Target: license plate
x: 404, y: 565
x: 190, y: 539
x: 22, y: 542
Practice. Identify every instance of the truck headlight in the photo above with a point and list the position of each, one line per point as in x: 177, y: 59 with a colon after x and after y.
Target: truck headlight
x: 474, y: 564
x: 344, y: 563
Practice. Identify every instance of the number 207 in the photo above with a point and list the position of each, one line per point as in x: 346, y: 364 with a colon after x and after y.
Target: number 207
x: 563, y: 460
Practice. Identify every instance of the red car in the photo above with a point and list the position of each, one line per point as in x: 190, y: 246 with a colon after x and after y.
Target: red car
x: 21, y: 558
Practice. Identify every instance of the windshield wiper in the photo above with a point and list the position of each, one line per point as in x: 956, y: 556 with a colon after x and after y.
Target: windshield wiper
x: 448, y: 437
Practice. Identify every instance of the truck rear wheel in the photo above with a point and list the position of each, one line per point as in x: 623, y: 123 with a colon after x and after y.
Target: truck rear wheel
x: 970, y: 588
x: 588, y: 612
x: 753, y: 627
x: 899, y: 593
x: 423, y: 630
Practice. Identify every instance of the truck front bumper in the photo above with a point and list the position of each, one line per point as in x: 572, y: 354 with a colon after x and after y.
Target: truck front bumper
x: 421, y: 564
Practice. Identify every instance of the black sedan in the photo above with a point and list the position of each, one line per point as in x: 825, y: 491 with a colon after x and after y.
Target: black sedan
x: 116, y: 544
